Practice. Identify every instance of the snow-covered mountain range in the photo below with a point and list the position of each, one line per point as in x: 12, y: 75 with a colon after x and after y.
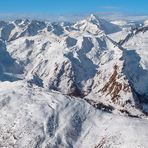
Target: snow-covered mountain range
x: 73, y: 85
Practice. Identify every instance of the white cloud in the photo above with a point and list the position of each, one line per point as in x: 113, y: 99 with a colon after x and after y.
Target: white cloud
x: 71, y: 17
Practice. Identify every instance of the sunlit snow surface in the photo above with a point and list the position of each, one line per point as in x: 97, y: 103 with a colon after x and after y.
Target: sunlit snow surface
x: 73, y: 85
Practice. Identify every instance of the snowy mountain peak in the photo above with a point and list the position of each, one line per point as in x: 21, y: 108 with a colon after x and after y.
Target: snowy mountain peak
x: 59, y: 81
x: 102, y: 24
x: 93, y: 18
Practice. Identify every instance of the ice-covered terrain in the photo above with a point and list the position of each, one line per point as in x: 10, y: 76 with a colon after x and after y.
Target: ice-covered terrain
x: 73, y: 85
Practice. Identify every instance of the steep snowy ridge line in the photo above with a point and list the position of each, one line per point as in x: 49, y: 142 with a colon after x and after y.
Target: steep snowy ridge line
x: 81, y: 55
x: 132, y: 33
x: 140, y: 98
x: 80, y: 60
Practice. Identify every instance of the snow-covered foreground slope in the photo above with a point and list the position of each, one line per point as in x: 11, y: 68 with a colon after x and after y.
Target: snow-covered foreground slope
x: 33, y: 117
x: 80, y: 85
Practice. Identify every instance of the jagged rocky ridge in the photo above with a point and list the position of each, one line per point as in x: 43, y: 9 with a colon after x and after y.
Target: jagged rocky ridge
x: 87, y: 63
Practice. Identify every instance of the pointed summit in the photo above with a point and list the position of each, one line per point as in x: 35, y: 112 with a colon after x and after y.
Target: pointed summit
x: 102, y: 24
x: 93, y: 18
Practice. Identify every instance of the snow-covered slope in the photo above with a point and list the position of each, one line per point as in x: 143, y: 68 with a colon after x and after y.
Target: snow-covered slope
x: 32, y: 117
x: 95, y: 25
x: 57, y: 78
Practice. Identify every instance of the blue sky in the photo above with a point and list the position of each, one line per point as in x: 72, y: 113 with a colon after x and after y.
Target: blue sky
x: 73, y: 6
x: 70, y: 7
